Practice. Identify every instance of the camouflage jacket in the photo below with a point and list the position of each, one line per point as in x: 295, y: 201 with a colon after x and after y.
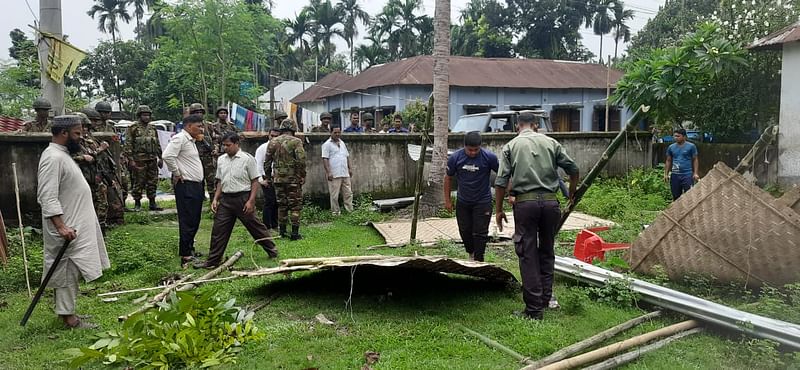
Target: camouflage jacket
x: 107, y: 126
x: 36, y: 126
x: 321, y: 129
x: 212, y: 140
x: 89, y: 168
x: 141, y: 142
x: 227, y: 127
x: 287, y: 159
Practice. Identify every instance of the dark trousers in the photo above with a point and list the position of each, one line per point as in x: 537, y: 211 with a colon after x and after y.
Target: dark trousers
x: 230, y: 208
x: 535, y: 225
x: 189, y: 197
x: 473, y: 226
x: 270, y: 212
x: 680, y: 184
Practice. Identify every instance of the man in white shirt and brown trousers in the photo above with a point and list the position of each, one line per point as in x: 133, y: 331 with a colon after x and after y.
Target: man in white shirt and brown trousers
x: 183, y: 160
x: 235, y: 198
x: 338, y: 171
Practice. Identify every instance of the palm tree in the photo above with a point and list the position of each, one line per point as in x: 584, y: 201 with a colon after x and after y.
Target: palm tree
x: 352, y: 14
x: 621, y: 29
x: 109, y: 13
x: 601, y: 22
x: 433, y: 198
x: 299, y: 28
x: 326, y: 17
x: 372, y: 54
x: 138, y: 9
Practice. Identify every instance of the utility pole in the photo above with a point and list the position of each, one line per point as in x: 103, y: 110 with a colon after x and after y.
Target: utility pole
x: 608, y: 89
x: 50, y: 18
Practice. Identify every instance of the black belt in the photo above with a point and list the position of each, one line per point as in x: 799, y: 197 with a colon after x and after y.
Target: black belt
x: 535, y: 196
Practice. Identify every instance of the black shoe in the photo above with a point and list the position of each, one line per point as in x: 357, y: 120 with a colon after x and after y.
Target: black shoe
x: 154, y: 206
x: 186, y: 261
x: 204, y: 265
x: 282, y: 229
x: 137, y: 205
x: 295, y: 233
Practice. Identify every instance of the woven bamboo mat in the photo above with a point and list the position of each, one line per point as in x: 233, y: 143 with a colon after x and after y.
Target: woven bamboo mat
x: 725, y: 227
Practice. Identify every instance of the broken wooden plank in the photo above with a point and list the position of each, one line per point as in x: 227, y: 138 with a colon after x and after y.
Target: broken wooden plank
x: 496, y: 345
x: 623, y: 359
x: 213, y: 273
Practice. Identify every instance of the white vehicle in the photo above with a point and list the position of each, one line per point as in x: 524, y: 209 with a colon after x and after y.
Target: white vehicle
x: 502, y: 121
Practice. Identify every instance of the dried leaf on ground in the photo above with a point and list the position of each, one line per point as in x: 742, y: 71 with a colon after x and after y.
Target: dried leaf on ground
x: 324, y: 320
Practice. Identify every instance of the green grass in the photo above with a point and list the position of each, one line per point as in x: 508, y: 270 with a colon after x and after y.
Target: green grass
x: 408, y: 316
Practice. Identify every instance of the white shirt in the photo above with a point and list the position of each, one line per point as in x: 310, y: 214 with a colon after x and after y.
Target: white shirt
x: 337, y: 155
x: 261, y: 155
x: 182, y: 158
x: 235, y: 174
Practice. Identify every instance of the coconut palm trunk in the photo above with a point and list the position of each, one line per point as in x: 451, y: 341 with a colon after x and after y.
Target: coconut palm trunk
x: 433, y: 199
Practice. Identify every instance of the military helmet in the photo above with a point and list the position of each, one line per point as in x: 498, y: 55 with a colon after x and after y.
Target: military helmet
x: 194, y: 107
x: 287, y: 125
x: 91, y: 113
x: 102, y: 106
x: 367, y: 117
x: 41, y: 103
x: 325, y: 115
x: 281, y: 115
x: 84, y: 118
x: 143, y: 109
x: 220, y: 108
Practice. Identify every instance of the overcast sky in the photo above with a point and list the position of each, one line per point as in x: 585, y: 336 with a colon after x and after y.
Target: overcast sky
x: 83, y: 33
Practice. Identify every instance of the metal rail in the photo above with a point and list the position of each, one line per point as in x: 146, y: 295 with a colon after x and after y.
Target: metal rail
x: 759, y: 326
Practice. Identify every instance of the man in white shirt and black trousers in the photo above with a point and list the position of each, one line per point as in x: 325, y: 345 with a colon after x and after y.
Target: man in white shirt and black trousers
x: 235, y: 198
x: 338, y: 171
x: 183, y: 160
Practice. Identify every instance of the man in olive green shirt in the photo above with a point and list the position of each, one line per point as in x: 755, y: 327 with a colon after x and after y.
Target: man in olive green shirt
x: 530, y: 162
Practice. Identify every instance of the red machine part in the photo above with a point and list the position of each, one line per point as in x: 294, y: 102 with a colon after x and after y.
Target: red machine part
x: 589, y: 245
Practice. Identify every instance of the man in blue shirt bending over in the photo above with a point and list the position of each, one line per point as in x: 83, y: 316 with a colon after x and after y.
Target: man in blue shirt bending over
x: 682, y: 162
x: 471, y: 167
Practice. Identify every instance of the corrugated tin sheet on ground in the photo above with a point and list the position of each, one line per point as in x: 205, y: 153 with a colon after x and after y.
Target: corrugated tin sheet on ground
x: 483, y: 270
x: 482, y: 72
x: 726, y: 227
x: 430, y: 230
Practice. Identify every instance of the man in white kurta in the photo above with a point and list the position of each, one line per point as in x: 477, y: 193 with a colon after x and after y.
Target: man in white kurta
x: 68, y: 214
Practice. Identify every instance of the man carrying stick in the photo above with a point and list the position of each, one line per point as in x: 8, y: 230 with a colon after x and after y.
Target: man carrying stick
x: 68, y: 214
x: 235, y: 198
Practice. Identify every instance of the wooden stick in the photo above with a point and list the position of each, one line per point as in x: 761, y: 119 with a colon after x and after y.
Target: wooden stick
x: 265, y: 302
x: 21, y: 231
x: 213, y: 273
x: 593, y: 340
x: 615, y: 362
x: 157, y: 298
x: 161, y: 287
x: 323, y: 260
x: 612, y: 349
x: 496, y: 345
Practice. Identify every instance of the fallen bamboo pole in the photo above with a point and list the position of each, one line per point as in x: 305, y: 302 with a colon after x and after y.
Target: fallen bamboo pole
x: 213, y: 273
x: 615, y: 362
x: 496, y: 345
x: 157, y: 298
x: 120, y: 292
x: 593, y: 340
x: 612, y: 349
x: 420, y: 168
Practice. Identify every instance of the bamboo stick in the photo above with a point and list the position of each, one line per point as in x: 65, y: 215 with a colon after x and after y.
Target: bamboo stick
x: 615, y: 362
x: 496, y: 345
x: 593, y: 340
x: 160, y: 287
x: 610, y: 350
x: 157, y: 298
x: 22, y: 231
x: 421, y: 169
x: 766, y: 139
x: 213, y: 273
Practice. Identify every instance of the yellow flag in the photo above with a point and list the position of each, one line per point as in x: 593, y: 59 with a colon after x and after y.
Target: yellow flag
x: 63, y: 59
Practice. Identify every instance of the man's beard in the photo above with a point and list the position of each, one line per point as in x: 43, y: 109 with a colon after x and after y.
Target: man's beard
x: 73, y: 146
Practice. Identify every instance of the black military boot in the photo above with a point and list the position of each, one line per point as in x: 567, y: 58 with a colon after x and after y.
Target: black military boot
x: 283, y: 230
x: 295, y: 233
x: 154, y: 206
x: 137, y: 205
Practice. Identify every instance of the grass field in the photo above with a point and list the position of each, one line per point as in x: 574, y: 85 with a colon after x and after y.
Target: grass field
x: 411, y: 318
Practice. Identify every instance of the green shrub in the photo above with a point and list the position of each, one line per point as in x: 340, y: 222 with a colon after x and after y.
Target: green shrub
x: 574, y: 300
x: 616, y: 292
x: 192, y: 330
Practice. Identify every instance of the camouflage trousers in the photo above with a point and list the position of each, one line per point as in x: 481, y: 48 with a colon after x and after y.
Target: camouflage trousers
x: 145, y: 178
x: 116, y: 207
x: 100, y: 201
x: 290, y: 202
x: 209, y: 172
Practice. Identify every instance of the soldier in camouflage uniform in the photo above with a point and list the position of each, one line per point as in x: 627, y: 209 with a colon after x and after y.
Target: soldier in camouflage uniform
x: 325, y: 123
x: 279, y: 117
x: 287, y: 159
x: 144, y: 153
x: 224, y: 124
x: 42, y: 122
x: 368, y: 122
x: 208, y: 148
x: 107, y: 169
x: 123, y: 175
x: 87, y: 160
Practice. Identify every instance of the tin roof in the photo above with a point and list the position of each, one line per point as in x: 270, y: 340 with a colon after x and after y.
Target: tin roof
x: 775, y: 40
x: 482, y: 72
x: 324, y: 87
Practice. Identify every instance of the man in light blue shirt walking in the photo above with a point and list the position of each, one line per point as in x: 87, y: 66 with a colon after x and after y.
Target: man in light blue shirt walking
x: 682, y: 163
